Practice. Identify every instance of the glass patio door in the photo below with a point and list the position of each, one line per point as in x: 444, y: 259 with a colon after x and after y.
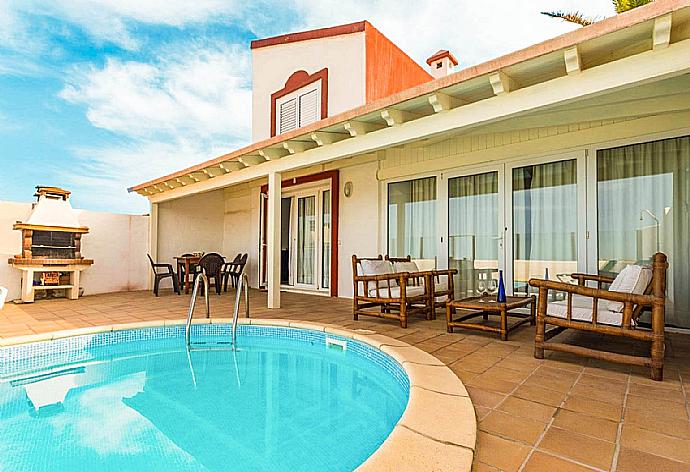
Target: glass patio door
x: 544, y: 222
x: 643, y: 206
x: 305, y: 250
x: 476, y: 231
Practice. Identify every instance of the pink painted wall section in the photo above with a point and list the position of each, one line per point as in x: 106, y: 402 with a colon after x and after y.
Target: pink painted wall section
x: 388, y: 69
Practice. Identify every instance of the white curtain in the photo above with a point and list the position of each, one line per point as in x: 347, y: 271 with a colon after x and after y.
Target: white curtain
x: 326, y: 240
x: 643, y: 198
x: 306, y: 239
x: 412, y: 218
x: 473, y: 228
x: 544, y: 220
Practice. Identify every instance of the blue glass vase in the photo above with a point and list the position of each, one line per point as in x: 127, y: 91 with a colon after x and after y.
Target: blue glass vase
x: 501, y: 297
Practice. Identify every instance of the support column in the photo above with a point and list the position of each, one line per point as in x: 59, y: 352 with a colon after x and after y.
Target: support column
x: 153, y: 238
x: 273, y: 239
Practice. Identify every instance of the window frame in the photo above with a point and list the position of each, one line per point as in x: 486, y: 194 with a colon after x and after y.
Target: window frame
x: 300, y: 83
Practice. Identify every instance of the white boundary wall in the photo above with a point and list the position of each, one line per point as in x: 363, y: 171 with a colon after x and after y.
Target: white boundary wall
x: 117, y: 243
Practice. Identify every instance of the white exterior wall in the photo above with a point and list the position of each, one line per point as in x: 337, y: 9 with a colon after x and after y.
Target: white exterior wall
x: 344, y: 56
x: 189, y: 225
x: 117, y: 244
x: 358, y: 230
x: 241, y: 223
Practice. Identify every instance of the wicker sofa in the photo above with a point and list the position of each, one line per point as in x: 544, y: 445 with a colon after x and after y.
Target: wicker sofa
x: 393, y: 289
x: 612, y: 312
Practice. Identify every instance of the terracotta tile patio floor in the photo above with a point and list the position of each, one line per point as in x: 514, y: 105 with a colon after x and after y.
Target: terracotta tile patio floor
x: 563, y: 413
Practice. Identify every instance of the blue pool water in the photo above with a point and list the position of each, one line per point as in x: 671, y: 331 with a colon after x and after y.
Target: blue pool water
x: 136, y: 400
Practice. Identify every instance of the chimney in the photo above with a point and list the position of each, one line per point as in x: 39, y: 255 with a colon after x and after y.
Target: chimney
x: 442, y: 63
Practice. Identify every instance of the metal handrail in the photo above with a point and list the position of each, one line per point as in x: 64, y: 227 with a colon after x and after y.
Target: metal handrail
x: 242, y: 286
x: 188, y: 327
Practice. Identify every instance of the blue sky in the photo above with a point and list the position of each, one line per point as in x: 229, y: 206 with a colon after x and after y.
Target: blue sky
x: 99, y: 95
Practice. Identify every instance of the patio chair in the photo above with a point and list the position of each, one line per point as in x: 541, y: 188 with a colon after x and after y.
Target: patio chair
x: 612, y: 312
x: 160, y: 275
x: 212, y: 265
x: 442, y: 287
x: 233, y: 270
x: 395, y: 295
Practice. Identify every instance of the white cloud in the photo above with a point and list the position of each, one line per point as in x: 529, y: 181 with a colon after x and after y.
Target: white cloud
x: 204, y: 92
x: 179, y: 111
x: 114, y: 20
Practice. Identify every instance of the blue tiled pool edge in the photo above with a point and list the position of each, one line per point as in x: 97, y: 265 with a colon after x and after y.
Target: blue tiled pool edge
x: 25, y: 358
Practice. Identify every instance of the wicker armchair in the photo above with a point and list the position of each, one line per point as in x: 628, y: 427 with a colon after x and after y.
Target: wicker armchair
x: 442, y: 285
x: 159, y: 275
x: 212, y: 265
x: 572, y: 314
x: 395, y: 295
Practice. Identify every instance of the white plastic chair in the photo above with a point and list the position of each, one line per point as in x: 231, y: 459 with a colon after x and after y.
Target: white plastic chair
x: 3, y: 296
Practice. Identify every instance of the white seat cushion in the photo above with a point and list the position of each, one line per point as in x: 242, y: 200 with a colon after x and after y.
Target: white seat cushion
x: 582, y: 311
x: 632, y: 279
x: 394, y: 292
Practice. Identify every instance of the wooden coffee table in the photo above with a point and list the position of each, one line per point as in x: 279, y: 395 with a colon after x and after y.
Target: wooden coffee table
x: 484, y: 306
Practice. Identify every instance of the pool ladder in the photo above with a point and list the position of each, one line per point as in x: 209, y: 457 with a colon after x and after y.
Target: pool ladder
x: 242, y: 287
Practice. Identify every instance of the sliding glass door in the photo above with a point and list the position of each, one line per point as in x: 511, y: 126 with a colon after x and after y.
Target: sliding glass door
x: 475, y: 232
x: 643, y: 201
x: 544, y: 222
x: 306, y: 239
x: 412, y: 219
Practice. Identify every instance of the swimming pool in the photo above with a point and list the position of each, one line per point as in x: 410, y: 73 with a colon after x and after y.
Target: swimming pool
x: 136, y: 399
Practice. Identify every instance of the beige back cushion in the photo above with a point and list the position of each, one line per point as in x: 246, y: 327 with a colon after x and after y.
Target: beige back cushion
x: 405, y: 267
x: 376, y: 267
x: 632, y: 279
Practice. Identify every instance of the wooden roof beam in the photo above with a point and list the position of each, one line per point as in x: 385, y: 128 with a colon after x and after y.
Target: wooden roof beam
x: 199, y: 176
x: 360, y: 128
x: 214, y: 171
x: 502, y: 83
x: 272, y: 154
x: 252, y: 159
x: 231, y: 166
x: 184, y: 180
x: 444, y: 102
x: 321, y: 138
x: 573, y: 62
x: 295, y: 147
x: 661, y: 36
x: 394, y: 117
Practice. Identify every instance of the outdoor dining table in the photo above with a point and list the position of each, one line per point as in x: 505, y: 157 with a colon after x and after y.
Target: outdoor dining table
x: 186, y: 262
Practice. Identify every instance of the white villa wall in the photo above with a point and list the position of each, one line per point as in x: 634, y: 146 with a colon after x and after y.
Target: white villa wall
x: 241, y: 228
x: 189, y: 225
x: 117, y: 243
x: 359, y: 221
x: 344, y: 56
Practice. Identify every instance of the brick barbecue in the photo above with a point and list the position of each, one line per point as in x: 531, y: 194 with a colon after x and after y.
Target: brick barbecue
x: 51, y: 256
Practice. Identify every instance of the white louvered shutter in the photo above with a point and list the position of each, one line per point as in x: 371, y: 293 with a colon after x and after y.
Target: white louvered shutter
x: 309, y: 107
x: 288, y: 116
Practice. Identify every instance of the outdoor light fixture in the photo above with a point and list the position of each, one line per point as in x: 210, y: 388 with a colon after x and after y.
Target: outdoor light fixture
x: 347, y: 189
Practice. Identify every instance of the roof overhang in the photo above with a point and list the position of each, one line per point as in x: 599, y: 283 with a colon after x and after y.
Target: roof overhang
x: 648, y: 44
